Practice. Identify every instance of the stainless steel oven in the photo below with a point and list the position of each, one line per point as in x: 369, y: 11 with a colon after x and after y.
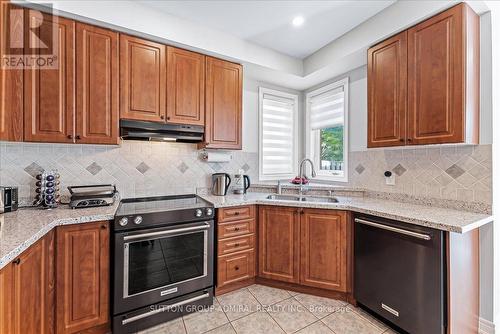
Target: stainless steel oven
x: 155, y: 264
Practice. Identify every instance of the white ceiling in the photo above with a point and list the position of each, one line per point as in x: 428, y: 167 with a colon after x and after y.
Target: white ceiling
x: 268, y: 23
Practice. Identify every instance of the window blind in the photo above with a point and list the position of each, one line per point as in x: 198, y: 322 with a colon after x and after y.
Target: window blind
x: 327, y: 109
x: 277, y: 135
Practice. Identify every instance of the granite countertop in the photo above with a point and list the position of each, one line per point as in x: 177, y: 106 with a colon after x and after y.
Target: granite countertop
x: 450, y: 220
x: 22, y: 228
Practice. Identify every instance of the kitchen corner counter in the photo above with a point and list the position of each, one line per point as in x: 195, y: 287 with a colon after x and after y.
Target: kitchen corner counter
x: 22, y: 228
x: 444, y: 219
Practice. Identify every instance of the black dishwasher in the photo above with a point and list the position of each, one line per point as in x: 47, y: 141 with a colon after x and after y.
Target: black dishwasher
x: 399, y: 273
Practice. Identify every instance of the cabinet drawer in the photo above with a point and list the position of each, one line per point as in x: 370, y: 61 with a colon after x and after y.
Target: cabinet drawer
x: 235, y: 229
x: 232, y: 245
x: 236, y: 213
x: 235, y: 267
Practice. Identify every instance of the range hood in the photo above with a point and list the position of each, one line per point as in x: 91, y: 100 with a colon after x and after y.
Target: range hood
x: 142, y: 130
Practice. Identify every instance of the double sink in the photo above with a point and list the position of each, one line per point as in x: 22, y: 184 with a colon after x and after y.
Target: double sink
x: 297, y: 198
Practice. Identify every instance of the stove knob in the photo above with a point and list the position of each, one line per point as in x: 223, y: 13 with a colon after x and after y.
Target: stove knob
x: 138, y: 220
x: 209, y: 212
x: 198, y: 213
x: 123, y: 221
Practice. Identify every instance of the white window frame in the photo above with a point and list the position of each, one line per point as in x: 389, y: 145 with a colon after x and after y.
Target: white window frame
x: 269, y: 177
x: 324, y: 175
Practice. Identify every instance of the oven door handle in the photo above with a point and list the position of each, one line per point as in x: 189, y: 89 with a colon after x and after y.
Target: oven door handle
x: 163, y: 309
x: 205, y: 226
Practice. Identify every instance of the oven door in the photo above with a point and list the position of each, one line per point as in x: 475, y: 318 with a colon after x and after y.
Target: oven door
x: 152, y: 265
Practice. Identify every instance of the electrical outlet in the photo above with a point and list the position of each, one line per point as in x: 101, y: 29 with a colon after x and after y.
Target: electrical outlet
x: 390, y: 180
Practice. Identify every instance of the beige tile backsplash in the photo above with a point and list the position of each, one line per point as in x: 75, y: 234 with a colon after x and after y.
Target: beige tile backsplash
x: 153, y: 168
x: 448, y: 172
x: 137, y: 168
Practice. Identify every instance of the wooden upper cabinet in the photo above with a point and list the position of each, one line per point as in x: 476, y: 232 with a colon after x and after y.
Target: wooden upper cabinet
x: 423, y: 84
x: 49, y: 93
x: 279, y: 243
x: 223, y: 104
x: 323, y: 249
x: 185, y: 87
x: 97, y: 109
x: 443, y: 78
x: 387, y: 92
x: 143, y: 75
x: 82, y: 277
x: 33, y: 289
x: 11, y: 80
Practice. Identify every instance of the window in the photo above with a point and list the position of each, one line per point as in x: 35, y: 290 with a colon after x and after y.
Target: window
x: 278, y: 137
x: 326, y: 130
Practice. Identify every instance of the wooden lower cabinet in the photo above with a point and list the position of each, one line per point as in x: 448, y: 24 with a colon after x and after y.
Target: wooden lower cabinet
x: 323, y: 249
x: 236, y: 260
x: 82, y: 277
x: 279, y: 243
x: 304, y: 246
x: 27, y: 286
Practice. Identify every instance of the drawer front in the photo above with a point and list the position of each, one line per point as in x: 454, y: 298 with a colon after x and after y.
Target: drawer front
x: 235, y: 267
x: 232, y: 245
x: 236, y: 213
x: 235, y: 229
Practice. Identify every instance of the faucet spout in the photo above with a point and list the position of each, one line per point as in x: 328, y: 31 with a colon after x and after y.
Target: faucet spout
x: 302, y: 173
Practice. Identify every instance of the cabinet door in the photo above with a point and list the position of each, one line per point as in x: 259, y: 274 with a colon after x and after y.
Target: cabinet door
x: 82, y: 277
x: 49, y: 93
x: 97, y: 85
x: 223, y: 104
x: 387, y: 92
x: 6, y: 299
x: 185, y: 87
x: 143, y: 84
x: 323, y: 249
x: 436, y: 74
x: 33, y: 301
x: 278, y: 243
x: 11, y: 80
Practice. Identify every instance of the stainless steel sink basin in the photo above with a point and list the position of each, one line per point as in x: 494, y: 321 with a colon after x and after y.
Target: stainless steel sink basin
x: 317, y: 199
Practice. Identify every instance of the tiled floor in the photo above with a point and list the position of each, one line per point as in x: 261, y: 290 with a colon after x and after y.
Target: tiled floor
x: 261, y: 309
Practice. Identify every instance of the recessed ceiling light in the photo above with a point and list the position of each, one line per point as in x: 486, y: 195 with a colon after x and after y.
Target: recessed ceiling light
x: 298, y: 21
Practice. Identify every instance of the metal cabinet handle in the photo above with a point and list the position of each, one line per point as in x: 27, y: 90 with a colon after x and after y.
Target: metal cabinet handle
x: 236, y: 228
x: 394, y: 229
x: 165, y: 308
x: 165, y: 233
x: 17, y: 261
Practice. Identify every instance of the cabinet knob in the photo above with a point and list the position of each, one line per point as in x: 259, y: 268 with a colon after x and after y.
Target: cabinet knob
x: 17, y: 261
x: 402, y: 140
x: 409, y: 140
x: 236, y: 213
x: 103, y: 227
x: 70, y: 136
x: 236, y: 245
x: 236, y: 228
x: 168, y: 118
x: 77, y: 137
x: 162, y: 117
x: 236, y: 268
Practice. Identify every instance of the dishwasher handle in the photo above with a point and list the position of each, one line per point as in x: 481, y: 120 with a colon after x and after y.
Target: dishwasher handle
x: 393, y: 229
